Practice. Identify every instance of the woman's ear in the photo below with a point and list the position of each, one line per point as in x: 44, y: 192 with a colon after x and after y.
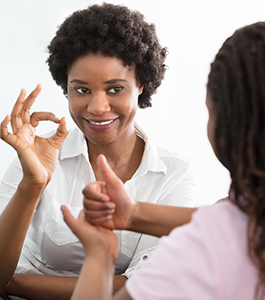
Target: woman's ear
x: 141, y: 89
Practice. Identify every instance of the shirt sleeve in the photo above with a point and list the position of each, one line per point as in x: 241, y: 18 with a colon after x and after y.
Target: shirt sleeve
x: 183, y: 267
x: 9, y: 183
x: 180, y: 191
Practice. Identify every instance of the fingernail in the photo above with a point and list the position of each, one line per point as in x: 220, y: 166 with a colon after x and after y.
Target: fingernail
x: 104, y: 198
x: 110, y: 205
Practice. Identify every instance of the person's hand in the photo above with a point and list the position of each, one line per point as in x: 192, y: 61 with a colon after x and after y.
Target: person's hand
x: 95, y: 239
x: 107, y: 203
x: 38, y: 156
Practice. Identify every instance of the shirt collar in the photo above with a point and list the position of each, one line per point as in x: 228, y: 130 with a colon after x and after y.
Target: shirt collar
x: 75, y: 144
x: 150, y: 160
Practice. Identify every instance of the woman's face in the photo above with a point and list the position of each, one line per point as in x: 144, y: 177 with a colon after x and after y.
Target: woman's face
x: 103, y: 97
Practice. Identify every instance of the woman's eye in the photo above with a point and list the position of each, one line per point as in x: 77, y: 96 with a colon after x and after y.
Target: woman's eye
x: 82, y: 90
x: 115, y: 90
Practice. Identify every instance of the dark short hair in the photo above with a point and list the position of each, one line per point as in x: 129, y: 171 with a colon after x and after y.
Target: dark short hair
x: 115, y: 31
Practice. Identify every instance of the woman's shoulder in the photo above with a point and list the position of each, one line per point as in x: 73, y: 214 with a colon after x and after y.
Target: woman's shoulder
x: 223, y: 216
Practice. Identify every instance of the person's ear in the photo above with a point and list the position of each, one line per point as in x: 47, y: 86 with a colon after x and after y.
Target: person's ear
x: 141, y: 89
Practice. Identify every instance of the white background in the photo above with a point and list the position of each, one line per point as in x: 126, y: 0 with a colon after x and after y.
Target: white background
x: 192, y: 30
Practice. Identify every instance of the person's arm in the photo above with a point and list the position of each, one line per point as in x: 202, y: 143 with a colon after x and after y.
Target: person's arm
x: 45, y: 287
x: 101, y: 250
x: 118, y: 282
x: 157, y: 219
x: 110, y: 206
x: 14, y: 223
x: 38, y: 159
x: 41, y: 287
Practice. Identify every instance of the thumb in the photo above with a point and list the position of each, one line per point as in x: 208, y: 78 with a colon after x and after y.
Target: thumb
x: 109, y: 177
x: 70, y: 220
x: 60, y: 134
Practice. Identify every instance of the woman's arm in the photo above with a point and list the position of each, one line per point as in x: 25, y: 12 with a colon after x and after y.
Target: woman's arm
x: 45, y: 287
x: 110, y: 206
x: 14, y: 223
x: 38, y: 159
x: 41, y: 287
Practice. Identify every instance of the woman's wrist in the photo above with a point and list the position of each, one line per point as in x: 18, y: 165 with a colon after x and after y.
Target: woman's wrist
x: 28, y: 182
x: 30, y: 190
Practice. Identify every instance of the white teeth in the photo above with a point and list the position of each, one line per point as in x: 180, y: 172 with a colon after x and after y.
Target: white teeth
x: 101, y: 123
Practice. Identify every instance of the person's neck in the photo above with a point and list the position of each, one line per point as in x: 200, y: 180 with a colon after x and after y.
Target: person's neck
x: 124, y: 156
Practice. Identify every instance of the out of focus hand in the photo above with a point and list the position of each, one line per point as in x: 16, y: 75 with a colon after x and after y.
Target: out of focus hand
x: 107, y: 203
x: 38, y: 156
x: 96, y: 240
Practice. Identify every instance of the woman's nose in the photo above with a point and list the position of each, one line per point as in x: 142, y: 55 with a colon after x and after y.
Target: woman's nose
x: 98, y: 104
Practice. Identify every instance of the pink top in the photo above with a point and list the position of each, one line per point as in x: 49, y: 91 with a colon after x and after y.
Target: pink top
x: 205, y: 259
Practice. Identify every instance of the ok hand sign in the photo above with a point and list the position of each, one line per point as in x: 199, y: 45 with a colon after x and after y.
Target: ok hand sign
x: 38, y: 156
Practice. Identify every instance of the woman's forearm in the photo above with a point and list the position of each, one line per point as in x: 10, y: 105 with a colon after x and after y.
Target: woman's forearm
x: 118, y: 282
x: 14, y: 224
x: 44, y: 287
x: 158, y: 220
x: 41, y: 287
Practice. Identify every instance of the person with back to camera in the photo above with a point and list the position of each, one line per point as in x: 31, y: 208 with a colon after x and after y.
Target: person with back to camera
x: 220, y: 254
x: 107, y: 60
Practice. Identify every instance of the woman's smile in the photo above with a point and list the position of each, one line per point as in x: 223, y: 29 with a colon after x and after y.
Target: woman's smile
x: 100, y: 125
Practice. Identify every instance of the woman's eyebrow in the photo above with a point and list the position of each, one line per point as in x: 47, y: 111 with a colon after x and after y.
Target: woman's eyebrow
x: 114, y: 80
x: 79, y: 81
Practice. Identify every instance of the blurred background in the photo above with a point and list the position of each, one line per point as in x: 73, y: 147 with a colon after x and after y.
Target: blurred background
x: 192, y: 31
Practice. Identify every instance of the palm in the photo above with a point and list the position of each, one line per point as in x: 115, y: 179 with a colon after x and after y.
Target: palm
x: 93, y: 238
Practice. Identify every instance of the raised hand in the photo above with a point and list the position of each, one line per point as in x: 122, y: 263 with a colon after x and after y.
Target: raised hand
x: 38, y: 156
x: 94, y: 238
x: 107, y: 203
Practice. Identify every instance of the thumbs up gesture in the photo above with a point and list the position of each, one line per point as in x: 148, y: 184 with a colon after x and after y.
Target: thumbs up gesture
x: 107, y: 203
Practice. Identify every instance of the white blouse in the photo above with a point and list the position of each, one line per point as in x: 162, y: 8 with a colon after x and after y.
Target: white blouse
x: 51, y: 248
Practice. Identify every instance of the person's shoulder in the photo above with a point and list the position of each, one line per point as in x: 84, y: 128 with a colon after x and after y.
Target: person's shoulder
x: 223, y: 207
x: 221, y: 215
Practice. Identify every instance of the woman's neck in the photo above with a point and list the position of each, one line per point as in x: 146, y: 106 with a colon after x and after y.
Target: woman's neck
x: 124, y: 157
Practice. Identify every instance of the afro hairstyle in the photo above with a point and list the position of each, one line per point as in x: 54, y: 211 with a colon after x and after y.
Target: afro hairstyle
x: 112, y: 30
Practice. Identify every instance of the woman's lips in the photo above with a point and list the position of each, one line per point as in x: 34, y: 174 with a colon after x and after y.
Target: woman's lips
x: 100, y: 125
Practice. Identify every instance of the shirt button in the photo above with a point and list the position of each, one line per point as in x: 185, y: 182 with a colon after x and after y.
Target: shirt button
x: 145, y: 257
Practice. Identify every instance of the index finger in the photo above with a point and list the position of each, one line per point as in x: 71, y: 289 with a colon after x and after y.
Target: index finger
x: 36, y: 117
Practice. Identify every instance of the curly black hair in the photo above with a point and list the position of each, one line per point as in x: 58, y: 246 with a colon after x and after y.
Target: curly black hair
x: 113, y: 30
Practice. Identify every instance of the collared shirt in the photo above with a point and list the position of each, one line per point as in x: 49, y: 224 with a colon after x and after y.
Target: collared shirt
x: 51, y: 248
x: 205, y: 259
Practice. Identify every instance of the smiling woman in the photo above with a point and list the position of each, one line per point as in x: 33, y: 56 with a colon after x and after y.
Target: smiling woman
x: 103, y: 99
x: 108, y: 61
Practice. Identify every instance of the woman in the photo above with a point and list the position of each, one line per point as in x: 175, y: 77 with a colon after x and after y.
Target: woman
x: 108, y: 61
x: 220, y: 253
